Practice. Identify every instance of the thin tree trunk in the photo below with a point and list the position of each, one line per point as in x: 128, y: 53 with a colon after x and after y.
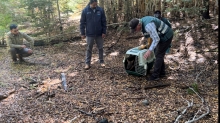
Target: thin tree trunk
x: 58, y: 8
x: 101, y: 3
x: 216, y: 8
x: 205, y: 13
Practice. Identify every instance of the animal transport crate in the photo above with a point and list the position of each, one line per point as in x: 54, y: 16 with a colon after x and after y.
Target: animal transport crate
x: 141, y: 65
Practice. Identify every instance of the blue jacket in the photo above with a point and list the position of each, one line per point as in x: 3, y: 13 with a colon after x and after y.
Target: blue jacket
x: 93, y: 23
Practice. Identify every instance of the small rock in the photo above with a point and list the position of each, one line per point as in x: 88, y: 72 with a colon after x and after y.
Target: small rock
x: 145, y: 102
x: 103, y: 120
x: 3, y: 96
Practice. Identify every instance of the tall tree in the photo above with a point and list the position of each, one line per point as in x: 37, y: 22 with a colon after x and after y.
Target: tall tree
x: 205, y: 12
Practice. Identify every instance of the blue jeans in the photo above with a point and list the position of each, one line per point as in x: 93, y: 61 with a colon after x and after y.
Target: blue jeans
x: 99, y: 42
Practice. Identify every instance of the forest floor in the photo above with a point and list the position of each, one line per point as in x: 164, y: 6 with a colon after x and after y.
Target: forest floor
x: 34, y: 94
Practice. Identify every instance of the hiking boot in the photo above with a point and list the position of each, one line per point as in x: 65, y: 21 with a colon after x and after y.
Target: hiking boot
x: 152, y: 78
x: 86, y: 67
x: 162, y: 75
x: 21, y: 59
x: 16, y: 62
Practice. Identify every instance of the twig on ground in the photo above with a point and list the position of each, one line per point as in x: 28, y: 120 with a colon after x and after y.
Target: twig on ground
x: 136, y: 98
x: 71, y: 121
x: 83, y: 112
x: 158, y: 86
x: 183, y: 112
x: 201, y: 116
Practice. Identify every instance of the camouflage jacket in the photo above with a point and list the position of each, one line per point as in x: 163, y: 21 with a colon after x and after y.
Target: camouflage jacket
x: 16, y: 41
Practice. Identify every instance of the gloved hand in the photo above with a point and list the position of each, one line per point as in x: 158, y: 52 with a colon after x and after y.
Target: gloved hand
x: 142, y: 47
x: 149, y: 41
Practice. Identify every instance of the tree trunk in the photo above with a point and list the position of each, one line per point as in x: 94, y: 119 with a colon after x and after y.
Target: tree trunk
x: 216, y: 8
x: 162, y: 4
x: 114, y: 12
x: 205, y: 13
x: 101, y: 3
x: 120, y: 4
x: 58, y: 8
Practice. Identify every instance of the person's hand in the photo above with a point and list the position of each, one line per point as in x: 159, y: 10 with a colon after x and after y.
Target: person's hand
x: 30, y: 51
x: 83, y: 36
x: 23, y: 46
x: 147, y: 54
x: 103, y: 35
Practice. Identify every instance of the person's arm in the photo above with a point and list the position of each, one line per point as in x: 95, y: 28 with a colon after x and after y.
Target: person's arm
x: 103, y: 22
x: 10, y: 44
x: 151, y: 29
x: 29, y: 39
x: 83, y: 23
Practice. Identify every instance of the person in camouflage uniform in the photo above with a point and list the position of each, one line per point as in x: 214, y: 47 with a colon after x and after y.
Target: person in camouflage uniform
x: 16, y: 46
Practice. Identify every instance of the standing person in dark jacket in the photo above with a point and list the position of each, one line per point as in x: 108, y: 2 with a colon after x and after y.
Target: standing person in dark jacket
x: 93, y: 28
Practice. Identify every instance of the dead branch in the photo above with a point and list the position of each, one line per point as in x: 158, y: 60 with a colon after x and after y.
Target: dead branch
x: 86, y: 113
x: 3, y: 45
x: 158, y: 86
x: 195, y: 118
x: 201, y: 72
x: 40, y: 94
x: 201, y: 116
x: 183, y: 112
x: 134, y: 37
x: 117, y: 23
x: 136, y: 98
x: 4, y: 96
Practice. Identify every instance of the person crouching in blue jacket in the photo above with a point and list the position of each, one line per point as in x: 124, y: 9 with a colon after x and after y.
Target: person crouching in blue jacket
x: 93, y: 28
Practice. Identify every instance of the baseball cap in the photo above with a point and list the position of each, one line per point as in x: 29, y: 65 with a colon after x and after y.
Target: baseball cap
x: 157, y: 14
x: 133, y: 24
x: 92, y: 1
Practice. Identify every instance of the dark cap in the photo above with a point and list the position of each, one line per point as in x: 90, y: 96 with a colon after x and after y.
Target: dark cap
x: 133, y: 24
x: 157, y: 14
x: 92, y: 1
x: 13, y: 26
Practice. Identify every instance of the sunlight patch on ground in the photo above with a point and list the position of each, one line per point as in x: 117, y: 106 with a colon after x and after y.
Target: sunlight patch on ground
x: 73, y: 74
x: 94, y: 59
x: 116, y: 53
x: 77, y: 43
x: 83, y: 44
x: 48, y: 84
x: 60, y: 69
x: 61, y: 55
x: 175, y: 25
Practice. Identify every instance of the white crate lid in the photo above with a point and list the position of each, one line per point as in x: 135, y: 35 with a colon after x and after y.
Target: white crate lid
x: 140, y: 54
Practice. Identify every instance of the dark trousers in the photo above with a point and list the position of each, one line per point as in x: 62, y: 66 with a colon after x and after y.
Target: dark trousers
x: 21, y: 53
x: 159, y: 65
x: 99, y: 42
